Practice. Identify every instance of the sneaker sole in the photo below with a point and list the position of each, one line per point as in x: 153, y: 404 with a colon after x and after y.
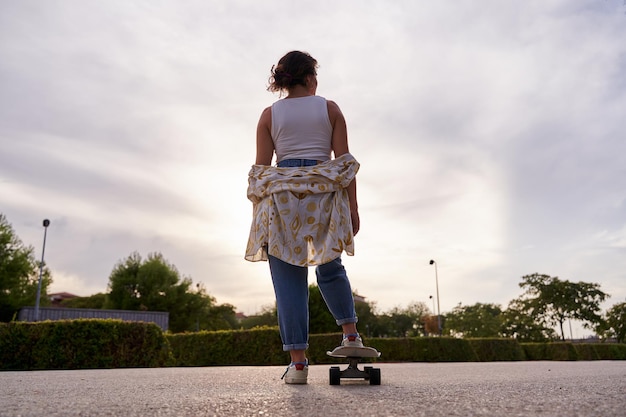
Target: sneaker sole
x: 295, y: 381
x: 354, y: 352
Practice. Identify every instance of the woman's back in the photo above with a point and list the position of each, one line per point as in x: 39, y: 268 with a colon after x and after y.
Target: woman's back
x: 301, y: 128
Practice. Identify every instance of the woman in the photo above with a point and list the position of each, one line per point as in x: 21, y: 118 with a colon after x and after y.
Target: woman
x: 305, y: 208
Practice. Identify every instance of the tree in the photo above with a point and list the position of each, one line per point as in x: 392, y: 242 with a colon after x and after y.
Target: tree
x: 551, y: 301
x: 478, y: 320
x: 19, y: 273
x: 95, y: 301
x: 615, y: 323
x: 219, y: 317
x: 407, y: 322
x: 517, y: 323
x: 155, y: 285
x: 397, y: 322
x: 366, y: 313
x: 267, y: 317
x: 320, y: 318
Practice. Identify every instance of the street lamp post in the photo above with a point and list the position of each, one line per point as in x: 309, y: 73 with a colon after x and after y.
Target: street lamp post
x: 46, y: 223
x: 198, y: 313
x: 433, y: 298
x: 432, y: 262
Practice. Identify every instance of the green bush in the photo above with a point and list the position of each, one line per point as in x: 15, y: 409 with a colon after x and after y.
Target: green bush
x: 95, y: 343
x: 586, y: 352
x: 242, y: 347
x: 562, y: 351
x: 319, y: 344
x: 554, y: 351
x: 567, y: 351
x: 535, y: 351
x: 488, y: 350
x: 82, y: 344
x: 610, y: 351
x: 423, y: 349
x: 15, y: 346
x: 264, y: 347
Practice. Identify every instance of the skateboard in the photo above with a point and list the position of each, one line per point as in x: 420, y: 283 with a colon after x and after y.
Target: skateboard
x: 354, y: 355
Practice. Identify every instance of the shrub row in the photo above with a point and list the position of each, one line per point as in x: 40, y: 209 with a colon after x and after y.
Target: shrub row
x: 82, y: 344
x: 423, y: 349
x: 566, y: 351
x: 242, y: 347
x: 263, y: 347
x: 94, y: 343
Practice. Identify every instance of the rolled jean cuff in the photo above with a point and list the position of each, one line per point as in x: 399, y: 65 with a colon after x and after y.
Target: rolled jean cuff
x: 297, y: 346
x: 341, y: 322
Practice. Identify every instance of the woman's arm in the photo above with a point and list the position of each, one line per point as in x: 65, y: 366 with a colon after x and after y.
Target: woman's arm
x: 264, y: 142
x: 339, y: 144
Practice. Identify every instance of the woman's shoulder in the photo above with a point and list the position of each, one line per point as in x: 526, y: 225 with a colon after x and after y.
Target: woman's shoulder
x: 331, y: 103
x: 266, y: 116
x: 266, y: 111
x: 333, y: 109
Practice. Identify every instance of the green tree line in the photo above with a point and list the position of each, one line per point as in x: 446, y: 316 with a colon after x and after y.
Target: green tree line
x: 154, y: 284
x: 19, y: 273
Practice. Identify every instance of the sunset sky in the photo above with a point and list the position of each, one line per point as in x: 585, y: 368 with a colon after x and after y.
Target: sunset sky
x: 490, y: 136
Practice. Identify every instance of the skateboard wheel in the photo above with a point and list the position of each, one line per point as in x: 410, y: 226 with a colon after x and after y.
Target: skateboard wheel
x: 335, y: 375
x: 374, y: 376
x: 367, y: 369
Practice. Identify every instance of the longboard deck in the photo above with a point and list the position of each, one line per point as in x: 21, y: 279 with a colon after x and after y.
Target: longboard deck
x: 353, y: 352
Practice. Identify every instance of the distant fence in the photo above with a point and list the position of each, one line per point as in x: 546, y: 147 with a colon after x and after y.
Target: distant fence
x: 162, y: 319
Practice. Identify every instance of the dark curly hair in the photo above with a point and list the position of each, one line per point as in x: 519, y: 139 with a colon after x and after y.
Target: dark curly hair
x: 291, y: 70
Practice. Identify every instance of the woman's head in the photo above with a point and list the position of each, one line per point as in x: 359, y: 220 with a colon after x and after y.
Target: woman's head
x: 295, y: 68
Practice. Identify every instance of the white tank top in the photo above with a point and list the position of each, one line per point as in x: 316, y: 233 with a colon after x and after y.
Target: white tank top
x: 301, y: 128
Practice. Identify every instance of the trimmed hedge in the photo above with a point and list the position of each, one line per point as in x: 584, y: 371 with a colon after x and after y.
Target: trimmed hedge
x: 568, y: 351
x: 243, y: 347
x: 557, y: 351
x: 82, y: 344
x: 97, y: 343
x: 489, y: 350
x: 263, y: 347
x: 423, y: 349
x: 610, y: 351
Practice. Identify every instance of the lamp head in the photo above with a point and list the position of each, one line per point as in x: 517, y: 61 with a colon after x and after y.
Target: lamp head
x: 46, y: 223
x: 432, y: 262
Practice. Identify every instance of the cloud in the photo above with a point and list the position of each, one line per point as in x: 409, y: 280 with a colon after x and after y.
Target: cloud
x: 490, y: 138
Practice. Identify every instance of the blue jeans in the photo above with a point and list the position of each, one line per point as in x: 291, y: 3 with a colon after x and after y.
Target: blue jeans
x: 296, y: 163
x: 292, y: 298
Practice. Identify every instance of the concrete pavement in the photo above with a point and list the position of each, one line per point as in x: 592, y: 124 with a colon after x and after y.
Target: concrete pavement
x: 595, y: 388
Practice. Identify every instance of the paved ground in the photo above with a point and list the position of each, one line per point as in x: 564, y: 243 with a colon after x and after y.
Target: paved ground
x: 595, y: 388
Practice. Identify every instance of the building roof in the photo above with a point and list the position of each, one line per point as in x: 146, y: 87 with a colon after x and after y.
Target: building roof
x: 61, y: 296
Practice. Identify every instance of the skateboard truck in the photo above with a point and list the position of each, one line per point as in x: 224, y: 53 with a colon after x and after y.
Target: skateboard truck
x: 354, y: 356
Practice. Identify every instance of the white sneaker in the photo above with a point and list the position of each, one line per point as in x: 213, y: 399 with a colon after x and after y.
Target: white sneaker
x: 296, y: 373
x: 352, y: 340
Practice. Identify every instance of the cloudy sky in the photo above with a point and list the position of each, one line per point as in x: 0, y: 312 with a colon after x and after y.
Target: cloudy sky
x: 490, y: 136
